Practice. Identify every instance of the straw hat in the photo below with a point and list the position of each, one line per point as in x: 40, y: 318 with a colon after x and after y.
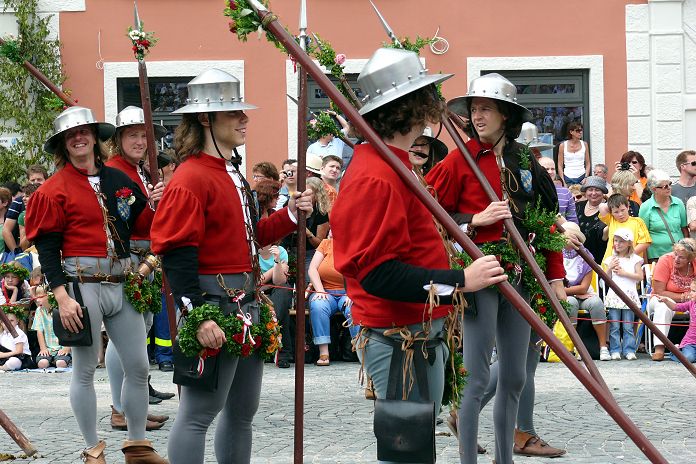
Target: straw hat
x: 574, y: 230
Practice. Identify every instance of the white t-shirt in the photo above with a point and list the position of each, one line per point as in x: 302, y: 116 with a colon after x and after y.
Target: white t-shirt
x: 7, y: 341
x: 626, y: 284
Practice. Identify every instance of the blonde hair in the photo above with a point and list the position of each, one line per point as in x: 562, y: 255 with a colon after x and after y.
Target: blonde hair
x: 629, y: 251
x: 321, y: 198
x: 622, y: 182
x: 688, y: 245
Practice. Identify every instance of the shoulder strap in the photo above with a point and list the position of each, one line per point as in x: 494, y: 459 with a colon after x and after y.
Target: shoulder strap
x: 662, y: 215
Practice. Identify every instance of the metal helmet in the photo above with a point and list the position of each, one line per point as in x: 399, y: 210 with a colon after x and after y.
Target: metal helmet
x: 530, y: 136
x: 73, y: 117
x: 493, y: 86
x: 214, y: 90
x: 392, y: 73
x: 132, y: 116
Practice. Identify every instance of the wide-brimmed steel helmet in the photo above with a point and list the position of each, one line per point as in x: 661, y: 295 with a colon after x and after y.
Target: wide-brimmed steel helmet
x: 73, y: 117
x: 392, y: 73
x: 493, y: 86
x: 529, y: 135
x: 132, y: 116
x: 212, y: 91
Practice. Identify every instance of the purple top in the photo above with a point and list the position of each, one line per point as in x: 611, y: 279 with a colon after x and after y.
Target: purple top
x: 576, y: 268
x: 690, y: 336
x: 566, y: 204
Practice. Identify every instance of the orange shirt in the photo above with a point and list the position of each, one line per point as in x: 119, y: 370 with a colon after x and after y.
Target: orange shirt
x: 331, y: 279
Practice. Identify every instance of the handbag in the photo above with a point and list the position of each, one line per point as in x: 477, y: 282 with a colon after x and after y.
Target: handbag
x: 82, y: 337
x: 195, y: 371
x: 405, y: 429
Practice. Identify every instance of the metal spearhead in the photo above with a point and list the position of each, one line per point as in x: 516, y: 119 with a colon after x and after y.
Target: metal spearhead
x: 388, y: 29
x: 258, y: 6
x: 303, y: 15
x: 138, y: 24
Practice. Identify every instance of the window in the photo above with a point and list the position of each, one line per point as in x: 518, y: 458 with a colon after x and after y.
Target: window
x: 166, y: 95
x: 317, y: 100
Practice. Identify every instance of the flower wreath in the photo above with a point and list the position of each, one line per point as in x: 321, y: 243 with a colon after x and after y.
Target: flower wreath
x: 243, y: 337
x: 542, y: 236
x: 18, y: 310
x: 142, y: 294
x: 16, y: 269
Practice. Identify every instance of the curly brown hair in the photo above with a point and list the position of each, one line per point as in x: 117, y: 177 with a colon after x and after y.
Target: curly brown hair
x: 61, y: 156
x: 267, y: 169
x: 266, y: 194
x: 189, y: 136
x: 402, y: 114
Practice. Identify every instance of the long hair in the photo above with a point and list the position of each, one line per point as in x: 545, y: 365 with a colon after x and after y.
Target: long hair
x: 189, y: 136
x: 321, y: 198
x: 61, y: 157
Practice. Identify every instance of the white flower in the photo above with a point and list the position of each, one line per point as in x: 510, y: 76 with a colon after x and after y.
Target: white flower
x: 131, y: 200
x: 133, y: 35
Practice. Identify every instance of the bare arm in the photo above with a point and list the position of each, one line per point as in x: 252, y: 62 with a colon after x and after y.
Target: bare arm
x: 561, y: 152
x: 23, y: 242
x: 582, y: 287
x: 588, y: 160
x: 313, y: 272
x: 19, y: 349
x: 7, y: 229
x: 641, y: 247
x: 659, y: 288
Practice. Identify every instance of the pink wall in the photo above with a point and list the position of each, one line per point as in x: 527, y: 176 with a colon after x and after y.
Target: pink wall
x: 198, y: 31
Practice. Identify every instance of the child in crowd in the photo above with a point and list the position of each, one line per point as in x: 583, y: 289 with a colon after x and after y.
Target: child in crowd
x: 688, y: 343
x: 52, y: 353
x: 625, y: 269
x: 14, y: 352
x: 14, y: 283
x: 618, y: 205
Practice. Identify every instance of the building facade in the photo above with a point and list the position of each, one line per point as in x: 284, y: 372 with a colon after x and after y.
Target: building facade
x: 624, y: 68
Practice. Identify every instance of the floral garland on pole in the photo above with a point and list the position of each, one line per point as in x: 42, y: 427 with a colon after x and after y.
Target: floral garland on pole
x: 543, y: 235
x: 322, y: 125
x: 12, y: 49
x: 243, y: 337
x: 142, y: 41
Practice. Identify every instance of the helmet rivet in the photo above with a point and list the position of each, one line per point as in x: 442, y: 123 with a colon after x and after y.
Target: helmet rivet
x: 222, y: 98
x: 393, y: 84
x: 484, y: 90
x: 378, y: 91
x: 195, y: 100
x: 409, y: 77
x: 496, y: 92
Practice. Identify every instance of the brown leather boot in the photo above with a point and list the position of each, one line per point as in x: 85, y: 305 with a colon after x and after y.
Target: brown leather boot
x: 141, y: 452
x: 527, y: 444
x: 118, y: 421
x: 156, y: 418
x: 95, y: 455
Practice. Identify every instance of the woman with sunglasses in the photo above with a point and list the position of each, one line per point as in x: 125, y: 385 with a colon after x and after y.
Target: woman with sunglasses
x: 663, y: 214
x: 634, y: 162
x: 574, y: 156
x: 672, y: 278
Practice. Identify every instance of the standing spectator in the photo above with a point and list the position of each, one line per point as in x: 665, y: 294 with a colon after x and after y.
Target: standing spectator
x: 330, y: 144
x: 685, y: 187
x: 203, y: 267
x: 330, y: 171
x: 36, y: 174
x: 81, y: 227
x: 574, y: 162
x: 625, y: 269
x: 635, y: 163
x: 51, y: 353
x: 594, y: 189
x: 691, y: 216
x: 566, y: 202
x: 672, y: 278
x: 664, y: 215
x: 601, y: 170
x: 288, y: 176
x: 14, y: 351
x: 624, y: 182
x: 264, y: 170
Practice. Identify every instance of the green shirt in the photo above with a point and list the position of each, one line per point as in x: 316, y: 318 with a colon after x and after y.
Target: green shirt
x: 20, y: 219
x: 676, y: 219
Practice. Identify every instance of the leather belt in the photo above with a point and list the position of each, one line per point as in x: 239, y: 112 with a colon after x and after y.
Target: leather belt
x: 115, y: 279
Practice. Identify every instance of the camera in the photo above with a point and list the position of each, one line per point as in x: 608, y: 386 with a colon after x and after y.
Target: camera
x: 625, y: 166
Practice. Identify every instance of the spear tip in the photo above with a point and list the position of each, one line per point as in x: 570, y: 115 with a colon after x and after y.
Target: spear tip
x: 303, y: 15
x: 136, y: 16
x: 257, y: 5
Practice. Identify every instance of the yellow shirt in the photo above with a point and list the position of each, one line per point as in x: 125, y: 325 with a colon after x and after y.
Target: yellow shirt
x: 634, y: 224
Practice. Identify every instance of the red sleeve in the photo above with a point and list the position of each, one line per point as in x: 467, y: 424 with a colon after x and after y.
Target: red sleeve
x: 274, y: 227
x: 444, y: 180
x: 44, y: 215
x: 366, y: 236
x: 170, y: 228
x: 554, y: 265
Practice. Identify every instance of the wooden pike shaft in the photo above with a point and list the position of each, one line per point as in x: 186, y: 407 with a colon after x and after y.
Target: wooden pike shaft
x: 520, y: 244
x: 6, y: 323
x: 606, y: 401
x: 16, y: 434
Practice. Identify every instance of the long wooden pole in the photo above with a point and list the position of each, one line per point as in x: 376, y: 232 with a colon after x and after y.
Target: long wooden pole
x: 520, y: 244
x: 16, y: 434
x: 271, y: 23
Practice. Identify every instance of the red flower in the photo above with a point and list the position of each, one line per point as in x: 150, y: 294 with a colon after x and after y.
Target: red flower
x: 125, y: 192
x: 542, y: 310
x: 246, y: 350
x: 137, y: 295
x: 135, y: 49
x: 552, y: 229
x: 233, y: 6
x: 144, y: 43
x: 257, y: 341
x: 239, y: 338
x: 233, y: 27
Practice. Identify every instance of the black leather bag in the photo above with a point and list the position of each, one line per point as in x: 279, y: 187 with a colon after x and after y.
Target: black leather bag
x: 186, y: 370
x: 405, y: 430
x: 81, y: 338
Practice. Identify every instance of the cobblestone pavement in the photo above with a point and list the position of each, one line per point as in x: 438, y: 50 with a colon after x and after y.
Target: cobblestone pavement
x: 338, y: 420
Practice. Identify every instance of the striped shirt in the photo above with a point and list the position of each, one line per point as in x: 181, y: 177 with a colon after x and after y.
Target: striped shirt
x: 566, y: 204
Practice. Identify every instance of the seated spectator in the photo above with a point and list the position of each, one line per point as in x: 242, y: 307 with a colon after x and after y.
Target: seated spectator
x: 318, y: 221
x: 14, y: 352
x: 566, y: 202
x: 601, y: 170
x: 28, y: 191
x: 330, y: 297
x: 624, y: 182
x: 594, y: 189
x: 266, y: 191
x: 690, y: 216
x: 14, y: 283
x: 580, y: 293
x: 625, y: 269
x: 664, y: 215
x: 672, y: 278
x: 688, y: 344
x: 5, y: 200
x: 577, y: 193
x: 51, y: 353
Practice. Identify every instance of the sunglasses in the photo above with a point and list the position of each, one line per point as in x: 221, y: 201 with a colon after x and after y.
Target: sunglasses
x: 686, y: 245
x: 664, y: 187
x: 635, y: 162
x: 693, y: 163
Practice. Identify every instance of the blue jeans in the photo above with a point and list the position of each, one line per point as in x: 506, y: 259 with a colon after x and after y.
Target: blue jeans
x: 689, y: 351
x: 321, y: 310
x: 573, y: 180
x: 629, y: 338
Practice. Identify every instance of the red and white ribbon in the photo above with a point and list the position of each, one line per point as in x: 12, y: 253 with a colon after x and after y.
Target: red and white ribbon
x: 530, y: 239
x: 207, y: 353
x: 246, y: 333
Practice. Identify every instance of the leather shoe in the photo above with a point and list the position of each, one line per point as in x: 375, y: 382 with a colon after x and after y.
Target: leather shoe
x: 157, y: 418
x: 452, y: 424
x: 158, y: 394
x: 166, y: 366
x: 154, y: 400
x: 527, y: 444
x: 118, y: 421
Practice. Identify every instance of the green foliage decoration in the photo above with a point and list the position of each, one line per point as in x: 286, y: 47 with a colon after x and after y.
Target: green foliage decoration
x: 27, y: 107
x: 320, y: 126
